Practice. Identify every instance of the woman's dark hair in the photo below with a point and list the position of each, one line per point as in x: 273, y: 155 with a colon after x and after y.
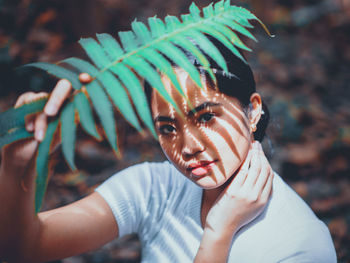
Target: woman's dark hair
x: 238, y: 83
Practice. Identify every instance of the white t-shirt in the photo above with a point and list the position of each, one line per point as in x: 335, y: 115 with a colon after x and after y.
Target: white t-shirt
x: 163, y: 207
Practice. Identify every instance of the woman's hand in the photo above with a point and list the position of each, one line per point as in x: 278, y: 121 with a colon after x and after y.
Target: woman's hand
x: 19, y: 155
x: 240, y: 203
x: 245, y: 197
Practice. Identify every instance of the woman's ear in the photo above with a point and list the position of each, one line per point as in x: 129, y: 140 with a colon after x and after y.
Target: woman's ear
x: 255, y: 110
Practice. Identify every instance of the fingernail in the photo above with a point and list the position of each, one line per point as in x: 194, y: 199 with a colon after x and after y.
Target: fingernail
x: 30, y: 126
x: 84, y: 78
x: 50, y: 109
x: 39, y: 135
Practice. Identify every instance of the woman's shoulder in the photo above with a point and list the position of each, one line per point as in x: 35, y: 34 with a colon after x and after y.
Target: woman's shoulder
x: 285, y: 201
x: 141, y: 194
x: 148, y: 176
x: 284, y: 212
x: 288, y: 228
x: 144, y: 170
x: 295, y: 228
x: 159, y: 172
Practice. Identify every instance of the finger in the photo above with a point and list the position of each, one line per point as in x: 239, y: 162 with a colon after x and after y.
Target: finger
x: 29, y: 97
x: 243, y: 171
x: 29, y: 122
x: 264, y: 171
x: 254, y: 169
x: 41, y: 95
x: 262, y: 179
x: 85, y: 78
x: 57, y: 97
x: 25, y: 97
x: 265, y: 194
x: 40, y: 127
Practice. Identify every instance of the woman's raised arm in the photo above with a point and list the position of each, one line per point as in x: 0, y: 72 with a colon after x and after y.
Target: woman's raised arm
x: 73, y: 229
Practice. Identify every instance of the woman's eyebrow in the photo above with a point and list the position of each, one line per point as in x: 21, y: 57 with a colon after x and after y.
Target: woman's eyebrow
x: 163, y: 118
x: 202, y: 107
x: 190, y: 113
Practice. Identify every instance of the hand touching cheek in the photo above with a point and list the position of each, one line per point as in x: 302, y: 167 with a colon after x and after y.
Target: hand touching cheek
x: 245, y: 197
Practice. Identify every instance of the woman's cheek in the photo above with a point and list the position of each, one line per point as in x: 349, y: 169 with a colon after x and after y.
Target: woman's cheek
x: 169, y: 145
x: 221, y: 149
x: 231, y: 141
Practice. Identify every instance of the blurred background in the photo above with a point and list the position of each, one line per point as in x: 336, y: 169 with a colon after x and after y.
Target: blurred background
x: 303, y: 74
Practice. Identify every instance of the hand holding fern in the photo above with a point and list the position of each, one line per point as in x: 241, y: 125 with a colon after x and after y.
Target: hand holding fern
x: 18, y: 155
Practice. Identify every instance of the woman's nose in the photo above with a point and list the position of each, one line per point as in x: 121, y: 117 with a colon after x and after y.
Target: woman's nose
x: 192, y: 144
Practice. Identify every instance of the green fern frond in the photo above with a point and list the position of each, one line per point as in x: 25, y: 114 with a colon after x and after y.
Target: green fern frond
x: 42, y: 164
x: 15, y: 118
x: 116, y: 66
x: 82, y: 105
x: 112, y: 86
x: 68, y: 133
x: 104, y: 111
x: 14, y: 135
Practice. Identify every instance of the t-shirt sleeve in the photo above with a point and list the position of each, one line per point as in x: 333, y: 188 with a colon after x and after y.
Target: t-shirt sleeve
x: 128, y: 195
x: 311, y: 243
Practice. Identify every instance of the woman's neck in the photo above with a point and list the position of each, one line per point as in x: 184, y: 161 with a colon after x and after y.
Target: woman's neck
x: 210, y: 196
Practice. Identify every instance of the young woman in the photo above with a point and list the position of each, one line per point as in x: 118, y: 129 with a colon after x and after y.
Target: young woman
x: 216, y: 200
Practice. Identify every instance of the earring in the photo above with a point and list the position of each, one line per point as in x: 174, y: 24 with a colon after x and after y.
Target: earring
x: 253, y: 127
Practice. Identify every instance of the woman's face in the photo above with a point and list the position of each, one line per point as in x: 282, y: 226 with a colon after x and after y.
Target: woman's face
x: 209, y: 142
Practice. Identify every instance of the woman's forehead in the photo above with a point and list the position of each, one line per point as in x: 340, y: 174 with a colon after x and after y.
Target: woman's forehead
x: 195, y: 95
x: 188, y: 86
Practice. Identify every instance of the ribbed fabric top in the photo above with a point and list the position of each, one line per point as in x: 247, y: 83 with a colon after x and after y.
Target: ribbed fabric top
x: 163, y: 207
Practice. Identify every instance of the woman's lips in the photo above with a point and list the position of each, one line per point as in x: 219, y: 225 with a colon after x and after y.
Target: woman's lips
x: 201, y: 168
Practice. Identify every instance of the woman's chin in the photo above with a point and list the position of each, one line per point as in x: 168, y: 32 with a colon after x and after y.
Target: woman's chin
x: 209, y: 181
x: 209, y: 178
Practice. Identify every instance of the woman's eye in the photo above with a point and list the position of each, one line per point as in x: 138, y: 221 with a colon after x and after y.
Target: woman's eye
x: 166, y: 129
x: 206, y: 117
